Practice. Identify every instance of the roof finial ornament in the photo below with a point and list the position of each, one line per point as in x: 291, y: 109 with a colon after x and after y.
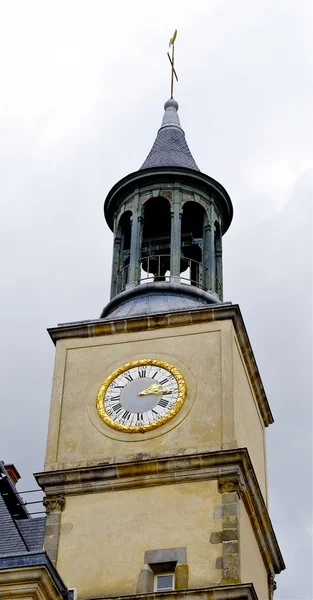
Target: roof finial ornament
x: 171, y: 59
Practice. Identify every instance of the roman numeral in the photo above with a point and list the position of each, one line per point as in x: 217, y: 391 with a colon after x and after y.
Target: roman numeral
x: 117, y: 407
x: 163, y: 403
x: 126, y: 415
x: 153, y: 376
x: 142, y: 371
x: 128, y: 377
x: 155, y: 413
x: 114, y: 398
x: 164, y: 381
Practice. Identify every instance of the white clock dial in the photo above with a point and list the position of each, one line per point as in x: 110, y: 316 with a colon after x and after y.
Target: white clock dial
x: 140, y: 396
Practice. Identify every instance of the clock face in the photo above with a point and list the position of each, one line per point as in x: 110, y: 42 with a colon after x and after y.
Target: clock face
x: 141, y: 395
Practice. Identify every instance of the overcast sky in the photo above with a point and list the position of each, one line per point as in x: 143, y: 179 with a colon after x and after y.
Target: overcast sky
x: 83, y: 85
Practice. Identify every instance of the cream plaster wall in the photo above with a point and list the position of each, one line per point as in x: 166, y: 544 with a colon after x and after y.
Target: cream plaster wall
x: 251, y: 562
x: 220, y: 411
x: 114, y: 530
x: 249, y: 427
x: 77, y: 436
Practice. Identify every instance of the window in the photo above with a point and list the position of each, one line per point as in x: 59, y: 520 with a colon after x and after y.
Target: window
x: 165, y: 570
x: 164, y: 582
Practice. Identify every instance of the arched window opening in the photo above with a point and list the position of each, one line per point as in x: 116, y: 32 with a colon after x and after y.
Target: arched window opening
x: 192, y: 267
x: 156, y: 242
x: 218, y: 259
x: 124, y: 234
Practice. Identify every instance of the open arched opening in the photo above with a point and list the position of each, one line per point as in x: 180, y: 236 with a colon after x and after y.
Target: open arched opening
x: 123, y: 237
x: 192, y: 267
x: 156, y: 240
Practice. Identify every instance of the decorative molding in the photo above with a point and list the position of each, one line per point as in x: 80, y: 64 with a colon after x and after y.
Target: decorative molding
x: 231, y: 483
x: 54, y: 504
x: 272, y: 586
x: 242, y: 591
x: 149, y: 179
x: 100, y: 327
x: 227, y: 464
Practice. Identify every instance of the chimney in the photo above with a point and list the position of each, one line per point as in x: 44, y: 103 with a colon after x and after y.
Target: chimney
x: 12, y: 473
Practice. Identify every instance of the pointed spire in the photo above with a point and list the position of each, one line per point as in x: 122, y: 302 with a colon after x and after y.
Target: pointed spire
x: 170, y: 148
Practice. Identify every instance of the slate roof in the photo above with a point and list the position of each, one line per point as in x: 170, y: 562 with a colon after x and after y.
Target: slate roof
x: 19, y: 531
x: 32, y: 530
x: 170, y: 148
x: 11, y: 539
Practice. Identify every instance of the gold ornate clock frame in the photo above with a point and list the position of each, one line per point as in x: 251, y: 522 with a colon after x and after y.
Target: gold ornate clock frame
x: 182, y: 391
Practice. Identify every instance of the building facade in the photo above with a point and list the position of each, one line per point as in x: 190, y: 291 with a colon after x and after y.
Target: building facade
x: 155, y: 473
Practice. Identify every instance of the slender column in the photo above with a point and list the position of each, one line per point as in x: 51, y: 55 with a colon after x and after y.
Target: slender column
x: 115, y: 264
x: 134, y: 273
x: 219, y: 264
x: 212, y: 253
x: 207, y: 255
x: 176, y: 216
x: 54, y: 506
x: 140, y: 232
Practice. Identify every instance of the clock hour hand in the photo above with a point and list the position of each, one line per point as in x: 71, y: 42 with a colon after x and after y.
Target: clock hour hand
x: 155, y: 388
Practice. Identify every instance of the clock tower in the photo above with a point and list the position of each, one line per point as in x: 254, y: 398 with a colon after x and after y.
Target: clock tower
x: 155, y: 471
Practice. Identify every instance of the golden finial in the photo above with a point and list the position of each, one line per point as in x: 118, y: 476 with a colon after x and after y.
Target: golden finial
x: 171, y: 59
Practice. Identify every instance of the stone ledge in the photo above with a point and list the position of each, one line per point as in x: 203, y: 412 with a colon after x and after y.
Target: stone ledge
x: 232, y: 464
x: 242, y: 591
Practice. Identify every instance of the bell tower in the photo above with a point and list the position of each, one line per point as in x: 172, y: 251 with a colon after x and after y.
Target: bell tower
x: 168, y: 219
x: 155, y: 472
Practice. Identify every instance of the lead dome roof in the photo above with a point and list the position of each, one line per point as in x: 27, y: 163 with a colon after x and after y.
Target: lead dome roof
x: 157, y: 298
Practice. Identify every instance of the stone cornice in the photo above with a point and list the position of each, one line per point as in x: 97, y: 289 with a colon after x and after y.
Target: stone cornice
x: 89, y: 329
x: 221, y: 465
x: 242, y: 591
x: 30, y: 575
x: 168, y: 175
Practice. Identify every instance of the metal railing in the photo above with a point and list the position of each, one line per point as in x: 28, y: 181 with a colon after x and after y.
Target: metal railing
x: 121, y: 280
x: 156, y: 267
x: 197, y: 274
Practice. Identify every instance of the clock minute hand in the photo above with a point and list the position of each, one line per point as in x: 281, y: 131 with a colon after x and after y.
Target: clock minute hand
x: 155, y: 388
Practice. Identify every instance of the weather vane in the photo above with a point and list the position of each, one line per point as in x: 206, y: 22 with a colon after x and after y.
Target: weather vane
x: 171, y: 59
